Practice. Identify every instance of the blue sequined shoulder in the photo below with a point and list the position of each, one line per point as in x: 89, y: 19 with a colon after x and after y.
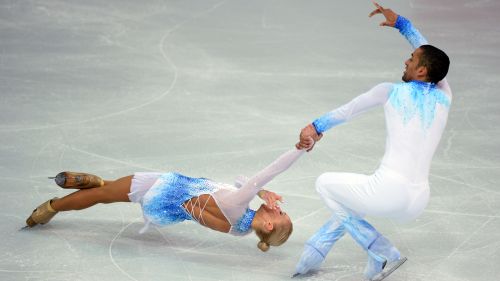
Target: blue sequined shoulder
x: 418, y: 98
x: 244, y: 224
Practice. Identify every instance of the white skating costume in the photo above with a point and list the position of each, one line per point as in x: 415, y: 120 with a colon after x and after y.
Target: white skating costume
x: 162, y: 195
x: 416, y: 113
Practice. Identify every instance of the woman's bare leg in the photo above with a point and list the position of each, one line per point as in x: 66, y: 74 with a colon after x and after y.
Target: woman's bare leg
x: 110, y: 192
x: 107, y: 182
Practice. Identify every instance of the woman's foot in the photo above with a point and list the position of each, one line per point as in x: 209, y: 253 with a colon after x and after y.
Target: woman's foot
x: 77, y: 180
x: 42, y: 214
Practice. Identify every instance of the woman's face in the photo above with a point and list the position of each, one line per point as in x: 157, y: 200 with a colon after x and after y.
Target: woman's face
x: 276, y: 215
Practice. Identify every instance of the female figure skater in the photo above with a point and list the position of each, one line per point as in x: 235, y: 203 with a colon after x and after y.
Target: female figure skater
x: 171, y: 198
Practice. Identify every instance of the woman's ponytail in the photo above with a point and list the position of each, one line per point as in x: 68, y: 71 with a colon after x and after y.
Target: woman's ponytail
x: 263, y: 246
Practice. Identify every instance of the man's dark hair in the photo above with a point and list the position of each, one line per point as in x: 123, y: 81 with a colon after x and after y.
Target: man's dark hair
x: 436, y: 62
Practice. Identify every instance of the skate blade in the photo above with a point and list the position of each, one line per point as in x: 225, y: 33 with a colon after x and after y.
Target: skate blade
x: 381, y: 276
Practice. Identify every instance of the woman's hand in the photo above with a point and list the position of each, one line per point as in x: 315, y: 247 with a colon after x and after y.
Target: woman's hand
x: 270, y: 198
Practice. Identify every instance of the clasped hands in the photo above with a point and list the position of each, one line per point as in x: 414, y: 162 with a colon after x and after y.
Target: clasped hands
x: 308, y: 138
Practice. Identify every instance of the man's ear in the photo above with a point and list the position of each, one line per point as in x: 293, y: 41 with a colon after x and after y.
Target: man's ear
x: 269, y: 226
x: 422, y: 71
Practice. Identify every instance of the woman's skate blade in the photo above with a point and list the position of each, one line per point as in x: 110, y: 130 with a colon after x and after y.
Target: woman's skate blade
x: 393, y: 266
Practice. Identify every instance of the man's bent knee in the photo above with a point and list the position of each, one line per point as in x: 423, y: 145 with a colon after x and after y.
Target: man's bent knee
x: 321, y: 183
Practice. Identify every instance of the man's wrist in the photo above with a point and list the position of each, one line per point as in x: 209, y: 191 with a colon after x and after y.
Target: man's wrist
x: 315, y: 126
x: 401, y: 22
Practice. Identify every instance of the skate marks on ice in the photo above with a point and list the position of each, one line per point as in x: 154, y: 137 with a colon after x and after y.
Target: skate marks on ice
x: 262, y: 59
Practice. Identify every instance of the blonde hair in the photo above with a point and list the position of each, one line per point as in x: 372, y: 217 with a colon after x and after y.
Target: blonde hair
x: 275, y: 237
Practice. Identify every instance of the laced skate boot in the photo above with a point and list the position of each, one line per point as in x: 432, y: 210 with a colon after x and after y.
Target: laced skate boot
x: 77, y: 180
x: 42, y: 214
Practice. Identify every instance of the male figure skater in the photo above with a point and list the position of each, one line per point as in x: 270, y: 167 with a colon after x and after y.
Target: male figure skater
x: 416, y: 111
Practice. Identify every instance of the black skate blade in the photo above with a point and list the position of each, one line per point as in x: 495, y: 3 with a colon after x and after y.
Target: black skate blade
x: 393, y: 266
x: 295, y: 275
x: 60, y: 179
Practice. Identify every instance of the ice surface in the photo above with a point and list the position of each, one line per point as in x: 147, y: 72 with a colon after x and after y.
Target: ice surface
x: 218, y: 89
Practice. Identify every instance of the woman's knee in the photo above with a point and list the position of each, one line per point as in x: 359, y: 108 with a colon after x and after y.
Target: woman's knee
x: 117, y: 191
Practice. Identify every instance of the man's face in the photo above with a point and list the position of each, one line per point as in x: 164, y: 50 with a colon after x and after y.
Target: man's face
x: 412, y: 68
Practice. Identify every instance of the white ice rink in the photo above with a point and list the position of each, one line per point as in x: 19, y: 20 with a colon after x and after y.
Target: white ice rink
x: 220, y: 88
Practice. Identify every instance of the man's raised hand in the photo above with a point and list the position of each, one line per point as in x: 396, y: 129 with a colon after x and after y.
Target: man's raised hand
x: 390, y: 16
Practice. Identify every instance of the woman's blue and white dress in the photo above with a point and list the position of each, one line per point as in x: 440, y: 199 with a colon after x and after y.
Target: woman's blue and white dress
x: 162, y: 195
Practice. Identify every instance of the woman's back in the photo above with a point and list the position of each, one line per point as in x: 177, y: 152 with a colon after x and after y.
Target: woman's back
x: 205, y: 210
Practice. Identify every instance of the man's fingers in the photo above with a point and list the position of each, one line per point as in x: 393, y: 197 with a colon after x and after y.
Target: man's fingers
x: 378, y: 6
x: 309, y: 148
x: 374, y: 12
x: 306, y: 143
x: 379, y: 10
x: 300, y: 146
x: 309, y: 144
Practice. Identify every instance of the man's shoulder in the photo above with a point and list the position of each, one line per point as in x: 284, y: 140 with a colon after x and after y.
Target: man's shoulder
x: 384, y: 87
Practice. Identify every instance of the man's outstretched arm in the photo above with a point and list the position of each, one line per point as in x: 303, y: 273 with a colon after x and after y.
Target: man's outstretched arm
x: 374, y: 97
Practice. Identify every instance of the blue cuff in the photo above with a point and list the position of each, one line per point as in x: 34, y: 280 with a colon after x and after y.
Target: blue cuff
x: 326, y: 122
x: 316, y: 127
x: 402, y: 23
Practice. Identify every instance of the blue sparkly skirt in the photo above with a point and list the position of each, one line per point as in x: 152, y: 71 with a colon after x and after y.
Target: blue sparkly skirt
x: 162, y: 203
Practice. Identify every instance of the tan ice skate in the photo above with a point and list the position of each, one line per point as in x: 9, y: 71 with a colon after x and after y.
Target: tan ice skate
x: 42, y: 214
x: 77, y: 180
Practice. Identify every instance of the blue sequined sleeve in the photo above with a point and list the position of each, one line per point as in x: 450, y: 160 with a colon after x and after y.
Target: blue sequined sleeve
x: 326, y: 122
x: 411, y: 34
x: 375, y: 96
